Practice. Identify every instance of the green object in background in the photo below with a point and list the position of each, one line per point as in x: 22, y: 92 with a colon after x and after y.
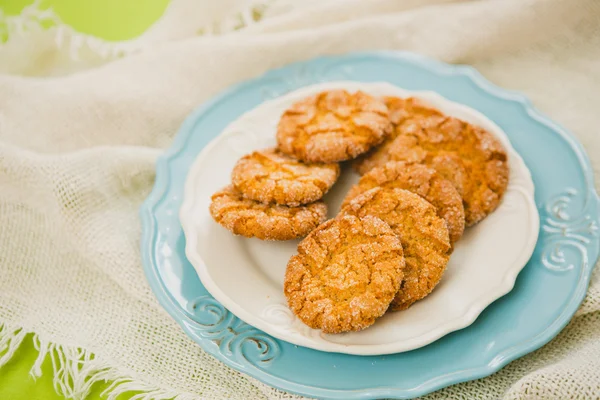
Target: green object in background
x: 13, y: 7
x: 107, y: 19
x: 17, y: 384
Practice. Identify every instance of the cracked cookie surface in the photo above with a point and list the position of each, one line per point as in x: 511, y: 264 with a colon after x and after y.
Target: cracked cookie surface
x: 333, y: 126
x: 469, y: 156
x: 422, y: 232
x: 422, y: 180
x: 250, y: 218
x: 345, y: 274
x: 270, y: 176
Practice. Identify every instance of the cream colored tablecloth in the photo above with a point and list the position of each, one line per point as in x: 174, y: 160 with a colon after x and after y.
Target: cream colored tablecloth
x: 77, y: 154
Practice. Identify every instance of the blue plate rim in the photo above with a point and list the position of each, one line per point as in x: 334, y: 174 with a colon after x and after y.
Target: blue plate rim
x: 501, y: 359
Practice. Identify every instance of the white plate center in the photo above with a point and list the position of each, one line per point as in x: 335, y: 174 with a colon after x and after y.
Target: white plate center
x: 246, y: 275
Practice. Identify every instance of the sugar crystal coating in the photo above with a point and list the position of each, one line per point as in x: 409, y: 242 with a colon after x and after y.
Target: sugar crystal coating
x: 425, y: 182
x: 422, y: 232
x: 333, y: 126
x: 267, y: 222
x: 270, y: 176
x: 345, y: 274
x: 469, y: 156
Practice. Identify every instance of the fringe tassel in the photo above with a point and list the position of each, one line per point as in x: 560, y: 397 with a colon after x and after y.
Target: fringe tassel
x: 76, y: 370
x: 10, y: 340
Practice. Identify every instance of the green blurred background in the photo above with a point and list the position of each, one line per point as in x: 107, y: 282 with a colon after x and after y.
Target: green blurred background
x: 17, y: 384
x: 111, y: 20
x: 107, y: 19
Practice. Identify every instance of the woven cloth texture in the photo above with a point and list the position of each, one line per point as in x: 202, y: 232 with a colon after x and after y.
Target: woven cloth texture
x: 77, y: 154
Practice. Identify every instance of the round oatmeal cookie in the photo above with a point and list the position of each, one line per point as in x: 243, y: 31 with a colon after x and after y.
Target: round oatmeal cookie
x: 333, y: 126
x: 270, y: 176
x: 423, y: 234
x: 346, y: 273
x: 422, y: 180
x: 470, y: 157
x: 267, y: 222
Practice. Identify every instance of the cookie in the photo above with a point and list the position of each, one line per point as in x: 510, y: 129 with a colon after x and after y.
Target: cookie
x: 423, y: 234
x: 333, y: 126
x: 270, y: 176
x: 425, y: 182
x: 467, y: 155
x: 345, y: 274
x: 267, y: 222
x: 403, y: 148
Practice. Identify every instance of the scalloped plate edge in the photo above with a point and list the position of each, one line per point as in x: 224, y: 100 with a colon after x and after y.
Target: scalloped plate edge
x: 148, y: 239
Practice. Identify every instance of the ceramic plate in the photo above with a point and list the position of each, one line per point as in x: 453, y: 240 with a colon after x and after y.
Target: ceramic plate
x: 546, y: 293
x: 246, y: 275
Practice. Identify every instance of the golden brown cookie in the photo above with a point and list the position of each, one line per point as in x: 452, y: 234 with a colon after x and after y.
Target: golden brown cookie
x: 345, y: 274
x: 270, y: 176
x: 423, y: 234
x: 422, y: 180
x: 267, y: 222
x: 333, y: 126
x: 468, y: 156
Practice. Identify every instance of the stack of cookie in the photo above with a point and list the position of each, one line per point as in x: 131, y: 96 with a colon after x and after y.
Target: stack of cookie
x: 276, y: 193
x: 273, y: 196
x: 425, y: 176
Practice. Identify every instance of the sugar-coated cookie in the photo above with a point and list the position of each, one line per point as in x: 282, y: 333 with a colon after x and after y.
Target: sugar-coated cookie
x: 270, y: 176
x: 265, y: 221
x: 333, y: 126
x: 345, y: 274
x: 422, y: 232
